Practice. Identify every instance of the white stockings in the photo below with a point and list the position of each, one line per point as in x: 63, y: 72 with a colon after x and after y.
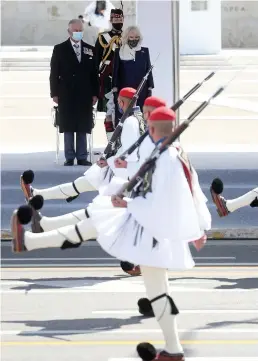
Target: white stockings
x: 243, y: 201
x: 51, y: 223
x: 66, y: 190
x: 75, y: 234
x: 156, y: 283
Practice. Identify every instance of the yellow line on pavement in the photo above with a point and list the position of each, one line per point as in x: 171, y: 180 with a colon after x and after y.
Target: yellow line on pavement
x: 124, y: 343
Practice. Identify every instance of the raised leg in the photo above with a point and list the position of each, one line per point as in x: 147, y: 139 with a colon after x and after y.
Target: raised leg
x: 243, y: 201
x: 64, y: 237
x: 226, y: 206
x: 66, y: 190
x: 50, y: 223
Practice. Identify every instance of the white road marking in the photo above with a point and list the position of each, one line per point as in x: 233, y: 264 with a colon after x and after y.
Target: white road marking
x: 86, y: 282
x: 113, y: 264
x: 125, y: 331
x: 108, y: 288
x: 194, y: 359
x: 183, y: 312
x: 90, y: 259
x: 58, y: 259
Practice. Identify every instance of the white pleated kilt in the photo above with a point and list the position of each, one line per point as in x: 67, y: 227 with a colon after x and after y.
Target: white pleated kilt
x: 98, y: 177
x: 120, y: 235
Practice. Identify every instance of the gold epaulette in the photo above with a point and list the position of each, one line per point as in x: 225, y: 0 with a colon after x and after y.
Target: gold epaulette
x: 114, y: 39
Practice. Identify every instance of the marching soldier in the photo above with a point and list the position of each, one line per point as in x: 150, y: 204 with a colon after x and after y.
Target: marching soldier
x: 105, y: 47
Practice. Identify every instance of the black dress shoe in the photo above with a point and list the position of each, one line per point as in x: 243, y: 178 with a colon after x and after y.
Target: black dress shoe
x: 69, y: 162
x: 84, y: 162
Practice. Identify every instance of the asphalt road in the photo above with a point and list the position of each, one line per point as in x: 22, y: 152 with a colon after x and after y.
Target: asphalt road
x: 90, y: 314
x: 219, y: 252
x: 238, y: 171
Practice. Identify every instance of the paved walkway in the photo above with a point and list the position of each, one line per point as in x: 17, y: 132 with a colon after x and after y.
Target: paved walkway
x: 90, y: 314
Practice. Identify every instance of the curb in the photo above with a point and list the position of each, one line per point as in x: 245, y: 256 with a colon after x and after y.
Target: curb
x: 214, y: 234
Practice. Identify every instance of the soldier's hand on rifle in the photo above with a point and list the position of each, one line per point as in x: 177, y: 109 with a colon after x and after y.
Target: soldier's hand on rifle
x: 119, y: 163
x: 102, y: 163
x: 118, y: 202
x: 200, y: 243
x: 55, y: 100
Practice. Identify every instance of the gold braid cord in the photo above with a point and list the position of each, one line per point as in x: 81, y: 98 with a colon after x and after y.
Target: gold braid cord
x: 115, y: 40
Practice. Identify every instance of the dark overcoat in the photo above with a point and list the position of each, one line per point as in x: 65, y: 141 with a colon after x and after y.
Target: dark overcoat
x: 74, y: 83
x: 129, y: 73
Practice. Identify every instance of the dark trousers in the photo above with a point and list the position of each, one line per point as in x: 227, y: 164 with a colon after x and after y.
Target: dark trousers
x: 81, y: 146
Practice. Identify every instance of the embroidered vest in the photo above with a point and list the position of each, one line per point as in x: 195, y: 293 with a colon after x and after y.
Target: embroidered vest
x: 146, y: 185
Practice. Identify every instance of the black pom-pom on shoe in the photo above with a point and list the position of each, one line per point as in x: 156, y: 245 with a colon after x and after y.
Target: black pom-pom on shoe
x: 146, y: 351
x: 28, y: 176
x: 130, y: 268
x: 37, y: 202
x: 24, y: 214
x: 217, y: 186
x: 126, y: 266
x: 145, y: 307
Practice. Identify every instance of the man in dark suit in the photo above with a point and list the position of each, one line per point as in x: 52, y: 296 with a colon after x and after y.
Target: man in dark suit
x: 74, y: 86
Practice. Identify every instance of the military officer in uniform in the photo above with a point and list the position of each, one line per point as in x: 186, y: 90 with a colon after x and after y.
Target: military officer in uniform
x: 105, y: 47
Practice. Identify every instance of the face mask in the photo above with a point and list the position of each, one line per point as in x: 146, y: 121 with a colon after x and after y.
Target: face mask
x: 77, y: 35
x: 133, y: 43
x: 120, y: 110
x: 117, y: 26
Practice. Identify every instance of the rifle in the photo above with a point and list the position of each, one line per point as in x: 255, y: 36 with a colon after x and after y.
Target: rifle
x: 174, y: 107
x: 108, y: 152
x: 160, y: 148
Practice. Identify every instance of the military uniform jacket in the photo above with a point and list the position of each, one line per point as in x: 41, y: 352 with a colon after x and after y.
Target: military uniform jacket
x: 105, y: 47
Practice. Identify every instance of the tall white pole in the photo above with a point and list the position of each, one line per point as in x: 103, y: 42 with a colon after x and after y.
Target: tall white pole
x: 175, y: 5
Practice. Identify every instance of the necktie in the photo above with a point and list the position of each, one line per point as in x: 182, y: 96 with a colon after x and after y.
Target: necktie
x: 77, y: 52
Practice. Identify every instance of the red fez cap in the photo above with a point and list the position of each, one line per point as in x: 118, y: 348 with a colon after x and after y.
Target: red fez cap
x: 154, y: 102
x: 127, y: 93
x: 162, y: 114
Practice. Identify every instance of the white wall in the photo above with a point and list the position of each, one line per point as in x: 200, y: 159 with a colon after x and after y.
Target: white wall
x: 240, y: 24
x: 200, y: 31
x: 44, y: 23
x: 154, y: 20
